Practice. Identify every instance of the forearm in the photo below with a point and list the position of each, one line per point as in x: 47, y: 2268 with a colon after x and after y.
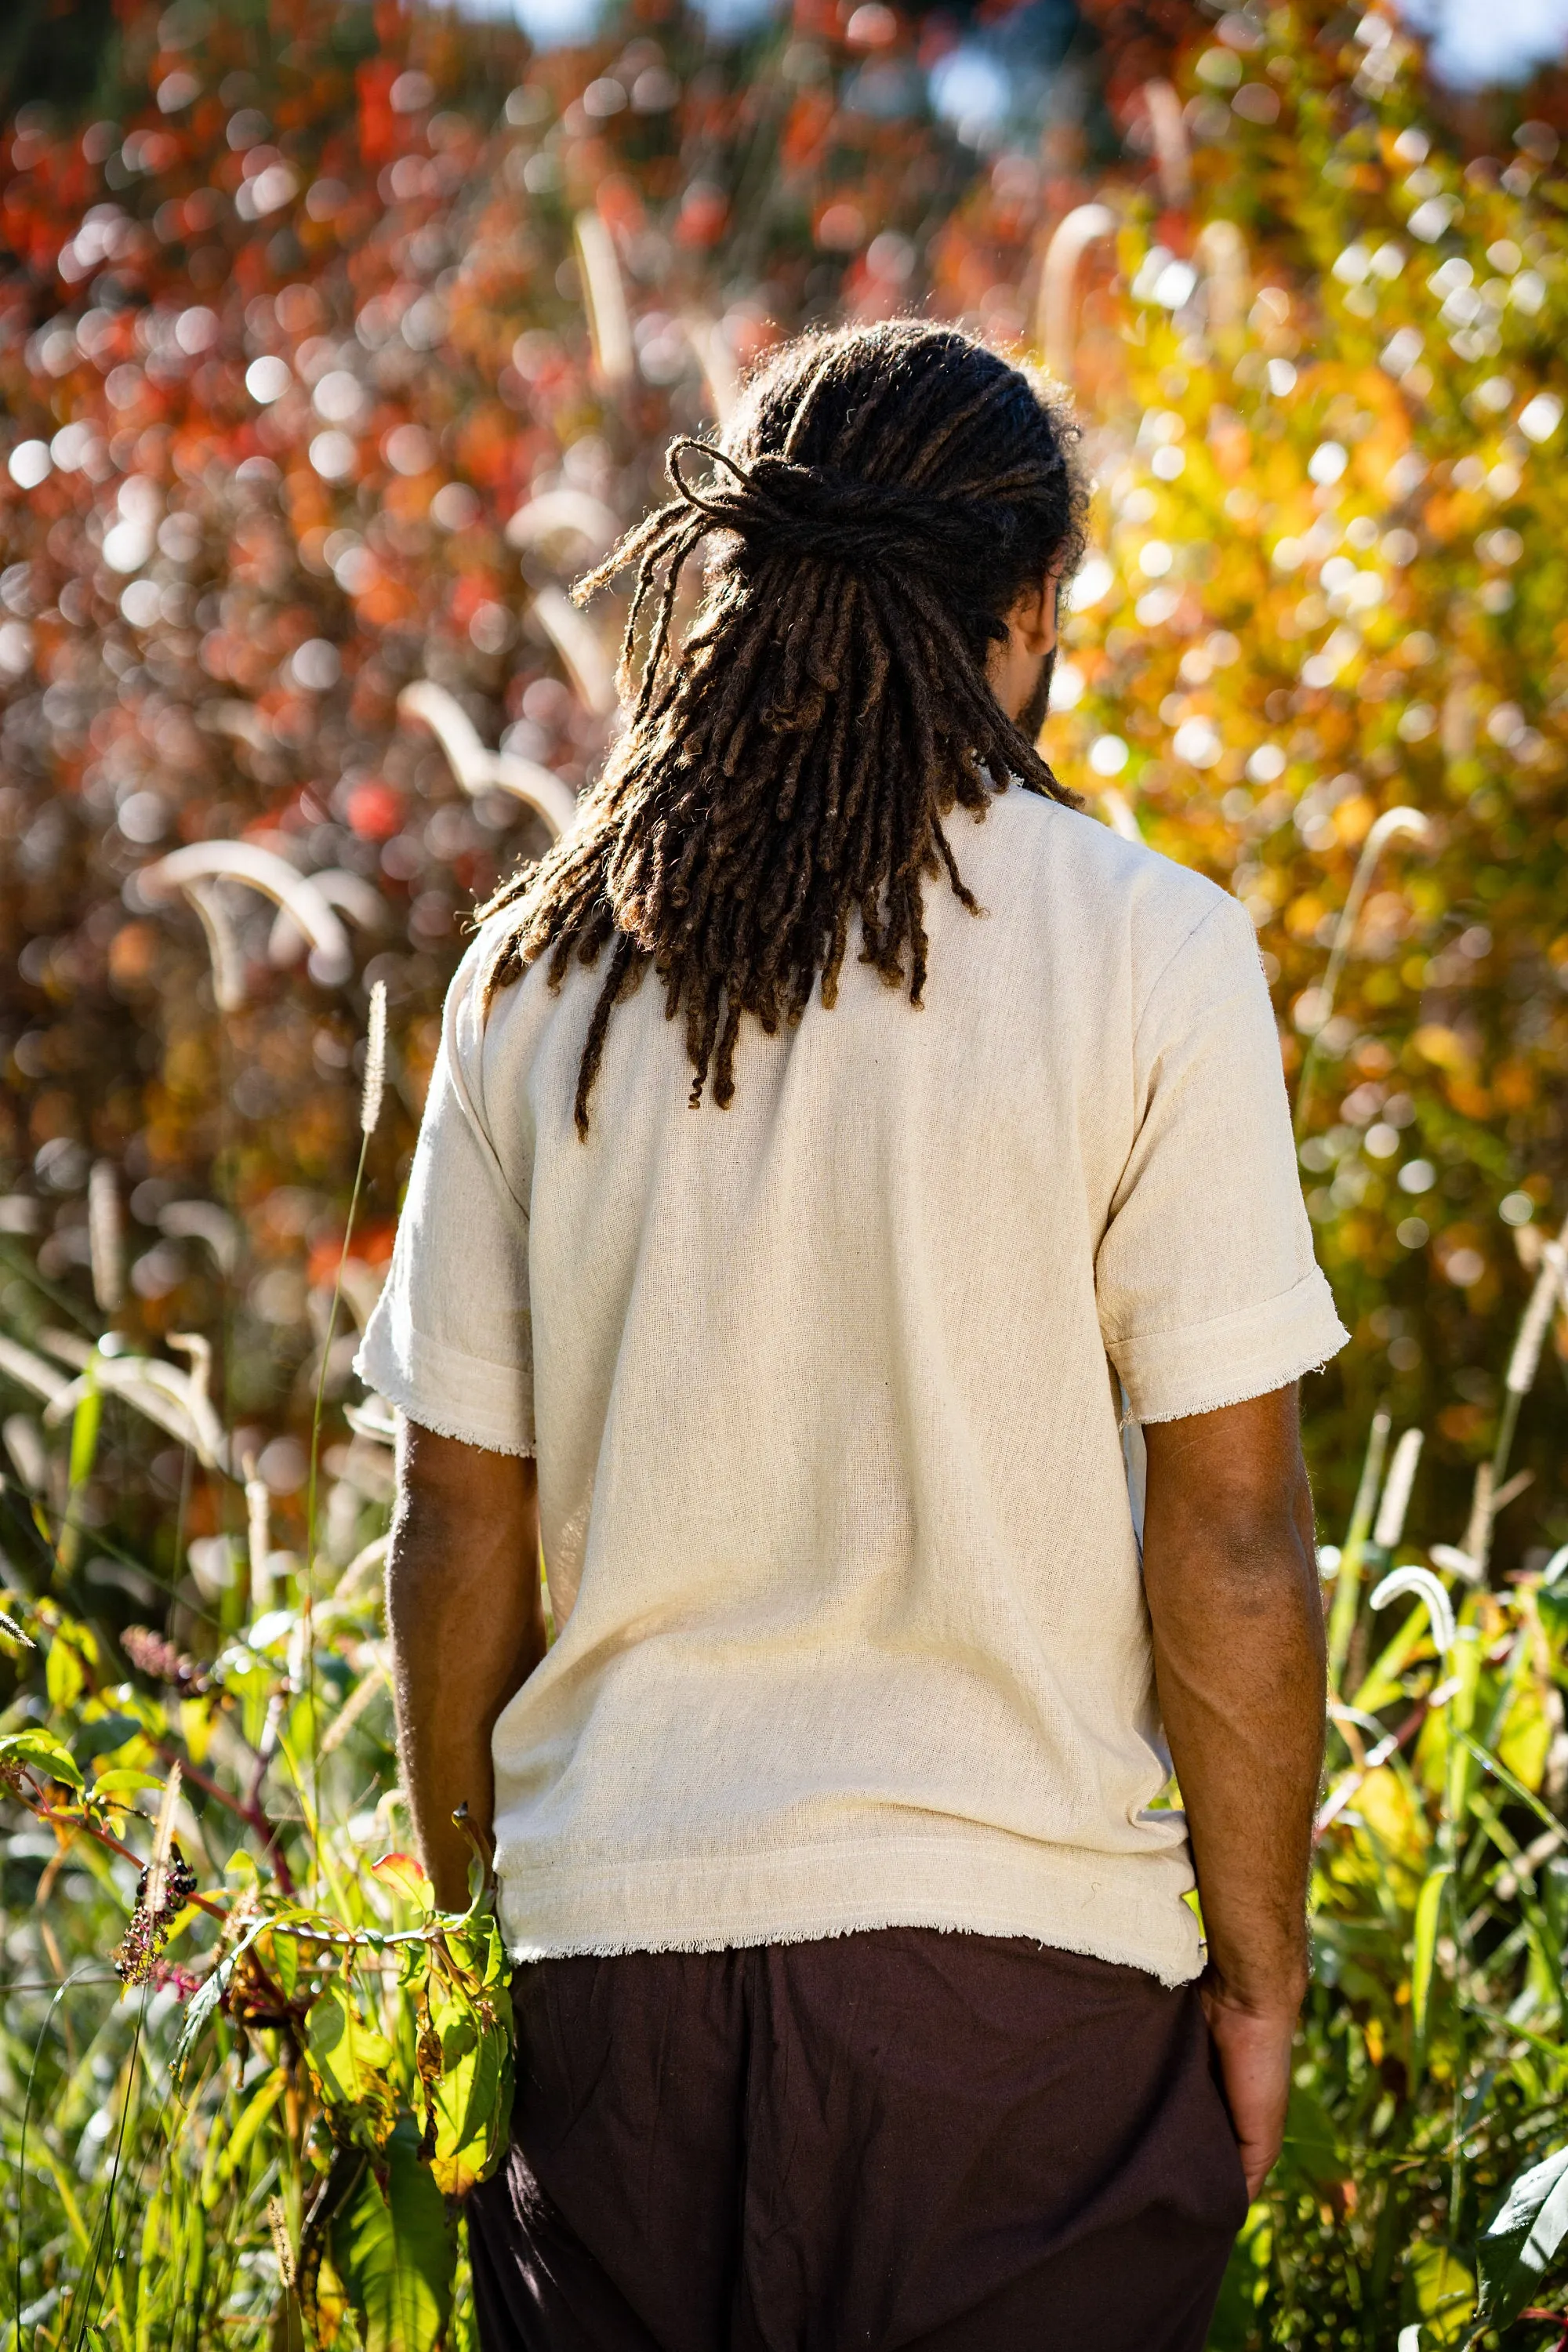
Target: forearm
x: 466, y: 1628
x: 1239, y: 1660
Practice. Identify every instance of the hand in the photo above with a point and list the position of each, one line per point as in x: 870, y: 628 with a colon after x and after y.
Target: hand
x: 1254, y: 2049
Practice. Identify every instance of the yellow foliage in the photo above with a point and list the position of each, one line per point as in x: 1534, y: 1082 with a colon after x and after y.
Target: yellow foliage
x: 1443, y: 1048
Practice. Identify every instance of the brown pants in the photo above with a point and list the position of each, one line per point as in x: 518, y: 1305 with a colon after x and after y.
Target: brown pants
x: 903, y: 2138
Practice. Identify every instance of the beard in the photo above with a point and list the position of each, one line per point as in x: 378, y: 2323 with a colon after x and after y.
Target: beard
x: 1031, y: 716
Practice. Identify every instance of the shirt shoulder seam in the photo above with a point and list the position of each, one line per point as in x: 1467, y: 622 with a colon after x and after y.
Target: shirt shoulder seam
x: 1210, y: 915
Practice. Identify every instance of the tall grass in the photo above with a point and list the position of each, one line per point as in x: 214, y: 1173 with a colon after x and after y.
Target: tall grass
x: 246, y: 2071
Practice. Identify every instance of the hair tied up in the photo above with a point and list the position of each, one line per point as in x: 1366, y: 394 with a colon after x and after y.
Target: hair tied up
x: 779, y: 508
x: 779, y: 797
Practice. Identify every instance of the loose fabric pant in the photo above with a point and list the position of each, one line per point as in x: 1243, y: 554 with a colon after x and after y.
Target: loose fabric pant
x: 900, y: 2139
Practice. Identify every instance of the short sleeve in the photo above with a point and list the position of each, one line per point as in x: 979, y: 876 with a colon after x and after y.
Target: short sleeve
x: 450, y: 1343
x: 1208, y: 1287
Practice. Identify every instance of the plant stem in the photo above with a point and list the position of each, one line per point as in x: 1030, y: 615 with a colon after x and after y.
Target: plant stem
x: 306, y: 1599
x: 106, y: 2221
x: 1347, y: 1584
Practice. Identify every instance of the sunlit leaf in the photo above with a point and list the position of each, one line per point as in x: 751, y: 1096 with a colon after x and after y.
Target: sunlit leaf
x: 41, y: 1752
x: 1445, y: 2294
x: 123, y: 1781
x: 86, y: 1422
x: 1521, y: 2241
x: 285, y: 1961
x: 350, y: 2061
x: 471, y: 2094
x: 405, y: 1876
x: 254, y: 2119
x: 397, y: 2254
x: 71, y: 1652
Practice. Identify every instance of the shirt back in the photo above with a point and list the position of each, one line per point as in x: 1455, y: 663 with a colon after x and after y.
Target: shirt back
x: 826, y: 1389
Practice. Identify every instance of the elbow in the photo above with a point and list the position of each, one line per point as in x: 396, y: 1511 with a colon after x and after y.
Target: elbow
x: 1263, y: 1561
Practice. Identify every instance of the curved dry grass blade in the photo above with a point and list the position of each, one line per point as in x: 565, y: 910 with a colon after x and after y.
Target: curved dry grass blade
x: 30, y: 1372
x: 263, y: 870
x: 1428, y: 1590
x: 479, y: 770
x: 223, y: 946
x: 717, y: 361
x: 106, y: 1237
x: 159, y: 1392
x: 576, y: 641
x: 259, y: 1540
x: 162, y: 1841
x: 1396, y: 1501
x: 1524, y: 1362
x: 1054, y: 319
x: 1173, y: 155
x: 1478, y: 1543
x: 201, y: 1221
x: 565, y: 514
x: 1223, y: 250
x: 373, y: 1419
x: 351, y: 893
x: 1385, y: 828
x: 605, y: 299
x: 198, y: 1347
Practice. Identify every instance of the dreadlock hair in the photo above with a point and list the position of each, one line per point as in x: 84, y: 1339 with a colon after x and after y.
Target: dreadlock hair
x: 886, y: 494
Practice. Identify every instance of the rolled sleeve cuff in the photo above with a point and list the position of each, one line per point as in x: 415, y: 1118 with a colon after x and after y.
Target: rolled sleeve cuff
x: 447, y: 1392
x: 1204, y: 1366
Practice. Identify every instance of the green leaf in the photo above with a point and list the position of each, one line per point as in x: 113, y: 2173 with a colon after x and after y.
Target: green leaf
x: 63, y: 1671
x: 1311, y: 2144
x: 124, y: 1780
x: 202, y: 2005
x: 1513, y: 1783
x: 1445, y: 2294
x: 86, y: 1422
x: 1245, y: 2288
x: 322, y: 2305
x: 285, y: 1961
x: 1428, y: 1912
x: 206, y: 1998
x: 397, y: 2254
x: 41, y: 1752
x: 1522, y: 2239
x: 471, y: 2090
x: 350, y: 2061
x: 252, y: 2121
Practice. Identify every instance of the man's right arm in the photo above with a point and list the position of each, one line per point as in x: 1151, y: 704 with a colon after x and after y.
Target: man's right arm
x: 1230, y: 1574
x: 467, y: 1621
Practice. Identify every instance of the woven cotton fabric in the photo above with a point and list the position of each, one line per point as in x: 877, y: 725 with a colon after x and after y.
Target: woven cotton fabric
x: 826, y: 1392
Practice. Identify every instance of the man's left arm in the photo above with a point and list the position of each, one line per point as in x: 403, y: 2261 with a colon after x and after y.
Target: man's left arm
x: 467, y: 1621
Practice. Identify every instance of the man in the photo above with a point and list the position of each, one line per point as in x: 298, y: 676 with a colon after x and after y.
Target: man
x: 860, y: 1999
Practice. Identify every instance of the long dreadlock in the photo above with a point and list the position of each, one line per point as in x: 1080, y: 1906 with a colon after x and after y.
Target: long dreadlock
x: 887, y: 495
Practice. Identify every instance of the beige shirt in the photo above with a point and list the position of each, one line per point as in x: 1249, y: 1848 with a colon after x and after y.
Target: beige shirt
x: 824, y: 1389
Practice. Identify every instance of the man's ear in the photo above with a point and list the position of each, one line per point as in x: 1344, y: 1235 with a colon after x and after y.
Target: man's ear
x: 1034, y: 616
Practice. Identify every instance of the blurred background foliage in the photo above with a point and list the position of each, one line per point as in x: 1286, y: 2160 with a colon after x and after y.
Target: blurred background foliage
x: 333, y: 342
x: 292, y: 338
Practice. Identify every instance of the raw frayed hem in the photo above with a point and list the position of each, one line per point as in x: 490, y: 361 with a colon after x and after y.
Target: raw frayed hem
x: 1243, y: 1394
x: 523, y: 1953
x: 444, y: 1425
